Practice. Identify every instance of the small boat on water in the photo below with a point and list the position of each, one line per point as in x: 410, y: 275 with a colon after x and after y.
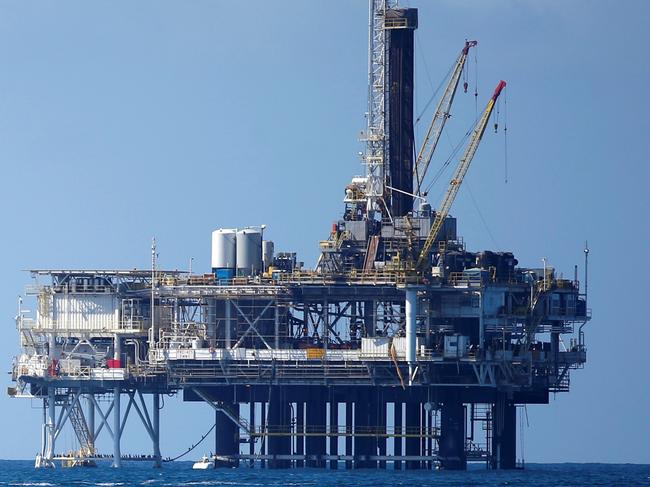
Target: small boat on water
x: 205, y: 463
x: 76, y: 462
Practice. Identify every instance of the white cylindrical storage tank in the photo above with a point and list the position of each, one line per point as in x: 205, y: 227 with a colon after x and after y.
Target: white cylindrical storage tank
x: 267, y: 253
x: 249, y: 252
x: 224, y: 249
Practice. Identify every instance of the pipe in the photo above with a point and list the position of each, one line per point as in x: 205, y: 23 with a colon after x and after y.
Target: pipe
x: 411, y: 329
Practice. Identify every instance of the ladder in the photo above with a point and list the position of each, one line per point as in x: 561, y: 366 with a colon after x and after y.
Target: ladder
x: 80, y: 427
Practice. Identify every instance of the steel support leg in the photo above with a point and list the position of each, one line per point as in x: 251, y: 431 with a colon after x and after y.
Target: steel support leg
x: 226, y: 438
x: 452, y: 434
x: 44, y: 430
x: 381, y: 423
x: 51, y: 425
x: 349, y: 429
x: 155, y: 423
x: 413, y: 430
x: 264, y: 424
x: 504, y: 434
x: 316, y: 443
x: 373, y: 423
x: 117, y: 428
x: 300, y: 432
x: 251, y: 440
x: 334, y: 439
x: 397, y: 439
x: 278, y: 428
x: 90, y: 421
x: 362, y: 443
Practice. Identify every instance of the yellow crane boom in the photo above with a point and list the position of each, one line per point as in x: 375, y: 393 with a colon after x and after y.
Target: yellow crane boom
x: 457, y: 179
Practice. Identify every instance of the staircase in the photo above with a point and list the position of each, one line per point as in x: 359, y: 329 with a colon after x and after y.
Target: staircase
x: 80, y: 427
x: 234, y: 417
x: 371, y: 253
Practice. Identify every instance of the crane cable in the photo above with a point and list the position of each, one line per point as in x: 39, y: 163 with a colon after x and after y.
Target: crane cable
x: 453, y: 154
x: 480, y: 214
x: 193, y: 446
x: 476, y: 83
x: 435, y: 93
x: 505, y: 133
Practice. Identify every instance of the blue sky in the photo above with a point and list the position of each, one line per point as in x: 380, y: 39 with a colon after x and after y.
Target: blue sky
x: 124, y: 120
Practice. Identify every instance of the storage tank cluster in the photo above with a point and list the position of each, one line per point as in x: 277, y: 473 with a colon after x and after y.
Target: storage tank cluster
x: 240, y: 252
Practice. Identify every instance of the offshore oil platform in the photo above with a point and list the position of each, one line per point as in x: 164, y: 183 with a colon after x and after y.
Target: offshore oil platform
x: 401, y: 349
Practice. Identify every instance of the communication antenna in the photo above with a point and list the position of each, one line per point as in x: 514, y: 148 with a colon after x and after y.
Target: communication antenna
x: 586, y: 269
x: 153, y: 278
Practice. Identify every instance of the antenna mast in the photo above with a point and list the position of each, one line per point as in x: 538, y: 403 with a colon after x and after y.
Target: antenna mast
x: 153, y: 292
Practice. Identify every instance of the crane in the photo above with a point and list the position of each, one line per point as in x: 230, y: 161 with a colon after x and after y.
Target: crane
x: 439, y: 118
x: 457, y: 179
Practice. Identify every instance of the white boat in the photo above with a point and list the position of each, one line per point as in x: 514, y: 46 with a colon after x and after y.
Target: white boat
x: 204, y: 463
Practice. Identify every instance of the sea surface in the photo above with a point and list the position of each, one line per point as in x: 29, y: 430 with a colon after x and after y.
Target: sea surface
x: 22, y: 473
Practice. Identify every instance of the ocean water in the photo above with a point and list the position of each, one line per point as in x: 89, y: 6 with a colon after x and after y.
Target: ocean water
x: 22, y: 473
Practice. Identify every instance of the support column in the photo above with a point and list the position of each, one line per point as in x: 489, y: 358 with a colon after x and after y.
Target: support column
x: 452, y: 434
x: 90, y: 421
x: 413, y: 431
x: 373, y: 426
x: 316, y: 442
x: 41, y: 456
x: 504, y: 434
x: 397, y: 439
x: 362, y: 442
x: 334, y: 439
x: 264, y: 427
x: 381, y: 425
x: 430, y: 431
x: 117, y: 429
x: 155, y: 423
x: 251, y: 424
x: 349, y: 428
x: 226, y: 437
x: 300, y: 432
x: 279, y: 419
x: 51, y: 425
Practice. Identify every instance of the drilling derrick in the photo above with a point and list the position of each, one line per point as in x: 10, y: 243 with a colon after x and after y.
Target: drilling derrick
x: 402, y: 349
x: 400, y: 25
